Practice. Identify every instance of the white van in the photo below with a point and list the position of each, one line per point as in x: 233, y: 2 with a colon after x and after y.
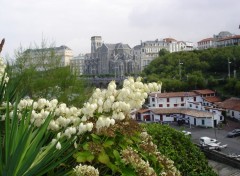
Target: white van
x: 211, y: 143
x: 207, y: 140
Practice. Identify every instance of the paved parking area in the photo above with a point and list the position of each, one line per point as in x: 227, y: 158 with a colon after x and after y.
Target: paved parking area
x: 219, y: 134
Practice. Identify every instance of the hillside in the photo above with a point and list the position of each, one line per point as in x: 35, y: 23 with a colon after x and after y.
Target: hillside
x: 198, y: 69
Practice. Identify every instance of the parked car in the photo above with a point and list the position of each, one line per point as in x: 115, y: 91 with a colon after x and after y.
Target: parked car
x: 187, y: 133
x: 234, y: 133
x: 211, y: 144
x: 207, y: 140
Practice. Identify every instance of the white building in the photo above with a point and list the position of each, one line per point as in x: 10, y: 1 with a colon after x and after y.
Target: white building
x: 223, y: 39
x: 206, y: 43
x: 186, y: 106
x: 191, y: 116
x: 77, y: 64
x: 228, y: 41
x: 149, y: 50
x: 46, y: 58
x: 172, y: 99
x: 232, y: 107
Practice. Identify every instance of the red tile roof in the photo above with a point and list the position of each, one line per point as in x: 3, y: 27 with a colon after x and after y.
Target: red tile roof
x: 190, y: 112
x: 173, y: 94
x: 212, y: 99
x: 204, y: 91
x: 169, y: 40
x: 143, y: 111
x: 205, y: 40
x: 231, y: 104
x: 232, y: 37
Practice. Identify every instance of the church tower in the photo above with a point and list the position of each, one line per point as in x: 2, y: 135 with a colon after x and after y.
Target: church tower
x: 96, y: 42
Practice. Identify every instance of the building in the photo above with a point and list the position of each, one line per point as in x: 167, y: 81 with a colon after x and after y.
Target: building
x: 190, y: 107
x: 211, y: 101
x: 232, y: 107
x: 47, y: 58
x: 223, y: 39
x: 172, y: 99
x: 206, y: 43
x: 149, y: 50
x: 190, y: 116
x: 115, y: 59
x: 228, y: 41
x: 77, y: 65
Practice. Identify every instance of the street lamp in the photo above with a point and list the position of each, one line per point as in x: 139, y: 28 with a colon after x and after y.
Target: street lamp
x: 180, y: 63
x: 229, y: 68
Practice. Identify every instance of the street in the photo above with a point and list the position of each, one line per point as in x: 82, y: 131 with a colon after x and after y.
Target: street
x: 219, y: 134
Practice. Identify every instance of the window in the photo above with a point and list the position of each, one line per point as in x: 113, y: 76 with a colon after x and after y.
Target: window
x: 160, y: 105
x: 232, y: 113
x: 203, y: 122
x: 153, y: 104
x: 190, y: 105
x: 167, y: 99
x: 182, y: 99
x: 153, y: 99
x: 175, y: 105
x: 168, y: 105
x: 182, y: 104
x: 194, y: 99
x: 196, y: 107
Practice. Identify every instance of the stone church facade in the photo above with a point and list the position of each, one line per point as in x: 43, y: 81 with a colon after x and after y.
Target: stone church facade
x: 115, y: 59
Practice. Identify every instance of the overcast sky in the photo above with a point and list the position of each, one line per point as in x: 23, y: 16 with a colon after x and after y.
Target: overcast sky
x: 73, y: 22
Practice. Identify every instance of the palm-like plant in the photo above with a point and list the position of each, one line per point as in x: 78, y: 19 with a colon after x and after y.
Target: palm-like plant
x: 24, y: 148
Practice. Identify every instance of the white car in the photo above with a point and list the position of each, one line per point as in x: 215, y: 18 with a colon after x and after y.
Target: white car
x: 187, y: 133
x: 211, y: 144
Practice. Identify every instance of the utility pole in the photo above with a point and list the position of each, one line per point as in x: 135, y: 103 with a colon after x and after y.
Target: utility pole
x: 180, y: 71
x: 229, y: 68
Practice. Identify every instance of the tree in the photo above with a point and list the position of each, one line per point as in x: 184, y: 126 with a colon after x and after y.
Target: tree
x: 186, y: 156
x: 33, y: 66
x: 163, y: 52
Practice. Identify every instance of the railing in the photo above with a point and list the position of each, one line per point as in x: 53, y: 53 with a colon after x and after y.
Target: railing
x: 214, y: 155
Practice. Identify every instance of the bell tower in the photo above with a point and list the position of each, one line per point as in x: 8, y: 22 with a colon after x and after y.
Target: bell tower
x: 96, y: 42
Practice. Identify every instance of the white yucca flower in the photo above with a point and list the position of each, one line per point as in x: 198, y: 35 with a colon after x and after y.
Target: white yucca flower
x: 85, y: 170
x: 58, y: 146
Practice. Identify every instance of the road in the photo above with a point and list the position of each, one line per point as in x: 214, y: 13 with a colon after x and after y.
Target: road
x: 219, y: 134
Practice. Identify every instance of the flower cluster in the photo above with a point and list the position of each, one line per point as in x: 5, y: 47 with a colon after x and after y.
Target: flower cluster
x: 2, y: 71
x: 103, y: 109
x: 142, y: 167
x: 118, y: 103
x: 168, y: 165
x: 135, y: 93
x: 84, y: 170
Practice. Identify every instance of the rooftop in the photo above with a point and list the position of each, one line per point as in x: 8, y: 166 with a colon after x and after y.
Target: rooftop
x: 186, y: 111
x: 204, y: 91
x: 232, y: 103
x: 205, y: 40
x: 212, y: 99
x: 173, y: 94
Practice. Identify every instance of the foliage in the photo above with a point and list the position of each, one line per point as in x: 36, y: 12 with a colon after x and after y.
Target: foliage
x: 186, y: 156
x: 200, y: 69
x: 110, y: 151
x: 39, y: 136
x: 46, y: 77
x: 24, y: 148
